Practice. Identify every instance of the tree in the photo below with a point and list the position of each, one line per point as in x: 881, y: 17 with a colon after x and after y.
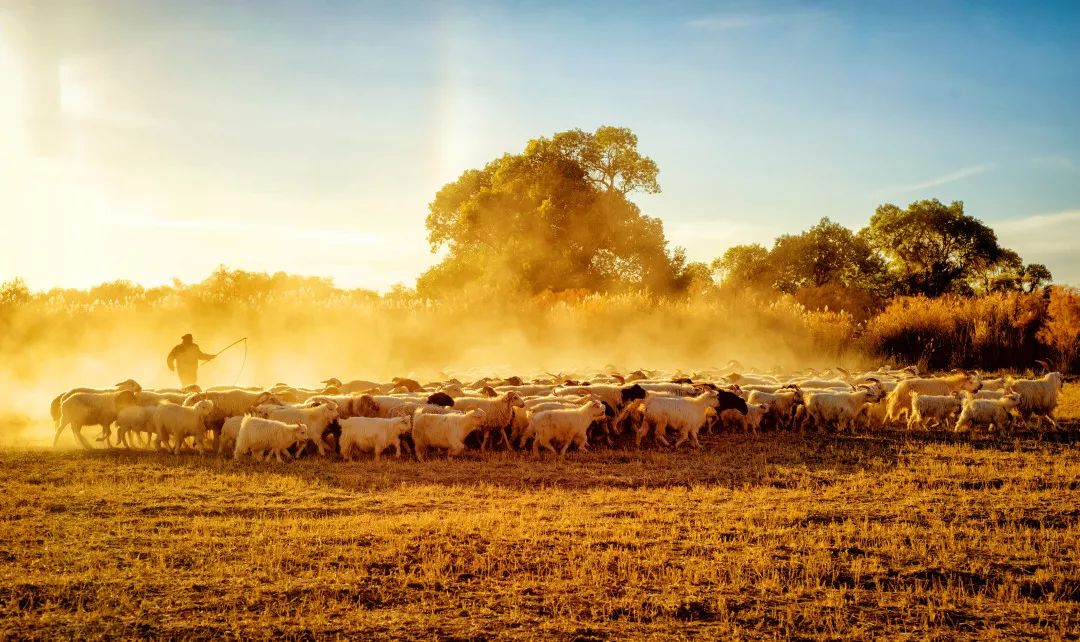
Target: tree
x: 610, y: 159
x: 1035, y: 276
x: 746, y: 264
x: 933, y: 248
x: 827, y: 258
x: 827, y: 253
x: 553, y: 217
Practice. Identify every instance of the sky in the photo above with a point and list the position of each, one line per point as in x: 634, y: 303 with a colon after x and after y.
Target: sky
x: 152, y: 140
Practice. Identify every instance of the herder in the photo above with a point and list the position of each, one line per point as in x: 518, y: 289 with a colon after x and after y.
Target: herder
x: 186, y: 357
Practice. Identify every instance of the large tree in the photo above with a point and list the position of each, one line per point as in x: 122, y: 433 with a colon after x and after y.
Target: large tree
x: 554, y: 217
x: 935, y: 249
x: 828, y: 254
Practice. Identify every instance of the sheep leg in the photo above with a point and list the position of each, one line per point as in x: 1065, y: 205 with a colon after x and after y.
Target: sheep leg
x: 683, y: 436
x: 59, y: 429
x: 455, y: 450
x: 694, y: 439
x: 582, y: 442
x: 378, y: 453
x: 660, y: 432
x: 277, y: 453
x: 397, y: 447
x: 506, y: 439
x: 642, y: 430
x: 566, y: 446
x: 78, y: 435
x: 484, y: 441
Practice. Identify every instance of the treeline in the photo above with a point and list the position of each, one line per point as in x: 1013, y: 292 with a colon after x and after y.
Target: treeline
x: 544, y: 249
x: 403, y: 330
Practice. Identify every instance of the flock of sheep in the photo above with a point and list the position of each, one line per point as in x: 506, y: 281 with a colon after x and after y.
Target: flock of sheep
x: 556, y: 411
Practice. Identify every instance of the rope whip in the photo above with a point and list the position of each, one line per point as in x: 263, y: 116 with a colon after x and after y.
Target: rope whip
x: 243, y: 363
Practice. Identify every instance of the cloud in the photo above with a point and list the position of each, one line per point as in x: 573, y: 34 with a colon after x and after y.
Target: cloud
x: 1048, y: 239
x: 1059, y: 163
x: 730, y: 22
x: 734, y: 21
x: 951, y: 177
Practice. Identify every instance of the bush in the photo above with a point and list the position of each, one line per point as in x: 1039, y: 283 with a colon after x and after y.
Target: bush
x: 1061, y: 330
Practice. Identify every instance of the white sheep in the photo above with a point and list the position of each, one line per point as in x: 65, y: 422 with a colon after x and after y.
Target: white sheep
x: 230, y: 430
x: 54, y: 406
x: 316, y: 418
x: 994, y: 412
x: 684, y: 414
x: 498, y: 413
x: 565, y: 425
x: 173, y: 423
x: 749, y: 422
x: 781, y: 403
x: 447, y: 430
x: 840, y: 408
x: 138, y: 419
x: 1038, y: 397
x: 257, y: 435
x: 900, y: 397
x: 614, y: 396
x: 938, y: 409
x: 351, y: 387
x: 372, y: 434
x: 91, y: 408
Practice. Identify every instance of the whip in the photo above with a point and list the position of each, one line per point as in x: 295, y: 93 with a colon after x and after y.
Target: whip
x: 242, y: 363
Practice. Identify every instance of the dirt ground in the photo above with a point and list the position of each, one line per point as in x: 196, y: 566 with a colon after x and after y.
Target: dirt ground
x: 770, y: 535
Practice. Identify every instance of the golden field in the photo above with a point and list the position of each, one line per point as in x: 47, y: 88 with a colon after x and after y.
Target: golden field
x: 770, y: 535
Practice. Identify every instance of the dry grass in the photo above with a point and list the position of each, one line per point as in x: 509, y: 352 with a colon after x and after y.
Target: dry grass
x: 765, y: 536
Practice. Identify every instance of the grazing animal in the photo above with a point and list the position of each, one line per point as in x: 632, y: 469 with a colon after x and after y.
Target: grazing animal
x: 1038, y: 398
x: 899, y: 405
x: 372, y: 434
x: 317, y: 419
x: 80, y: 409
x: 447, y: 431
x: 498, y: 413
x: 257, y: 435
x: 938, y: 409
x: 564, y: 425
x: 994, y: 412
x: 173, y: 423
x: 685, y: 414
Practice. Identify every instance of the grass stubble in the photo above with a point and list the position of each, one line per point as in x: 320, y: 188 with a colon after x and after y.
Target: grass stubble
x: 775, y: 535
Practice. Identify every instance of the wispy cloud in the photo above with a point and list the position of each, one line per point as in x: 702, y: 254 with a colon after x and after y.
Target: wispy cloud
x: 730, y: 22
x: 945, y: 179
x: 1060, y: 163
x: 1046, y: 238
x: 737, y: 20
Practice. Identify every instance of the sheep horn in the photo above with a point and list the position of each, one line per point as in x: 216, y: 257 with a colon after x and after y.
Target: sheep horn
x: 1045, y: 364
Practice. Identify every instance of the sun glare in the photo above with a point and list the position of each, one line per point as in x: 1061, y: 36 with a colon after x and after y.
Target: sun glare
x: 11, y: 95
x: 77, y: 98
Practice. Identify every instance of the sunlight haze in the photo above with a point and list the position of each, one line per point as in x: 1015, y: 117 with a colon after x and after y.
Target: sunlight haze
x: 151, y: 140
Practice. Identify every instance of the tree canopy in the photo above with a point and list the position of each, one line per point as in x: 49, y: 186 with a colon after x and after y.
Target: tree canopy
x: 926, y: 249
x: 554, y: 217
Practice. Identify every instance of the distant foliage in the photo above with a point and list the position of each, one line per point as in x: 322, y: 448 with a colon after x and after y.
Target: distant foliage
x: 1061, y: 330
x: 999, y: 330
x: 555, y: 216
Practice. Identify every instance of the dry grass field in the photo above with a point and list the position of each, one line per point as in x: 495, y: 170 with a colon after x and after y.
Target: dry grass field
x: 774, y: 535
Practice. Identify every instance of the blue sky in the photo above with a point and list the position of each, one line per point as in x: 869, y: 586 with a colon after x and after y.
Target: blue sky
x: 310, y: 136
